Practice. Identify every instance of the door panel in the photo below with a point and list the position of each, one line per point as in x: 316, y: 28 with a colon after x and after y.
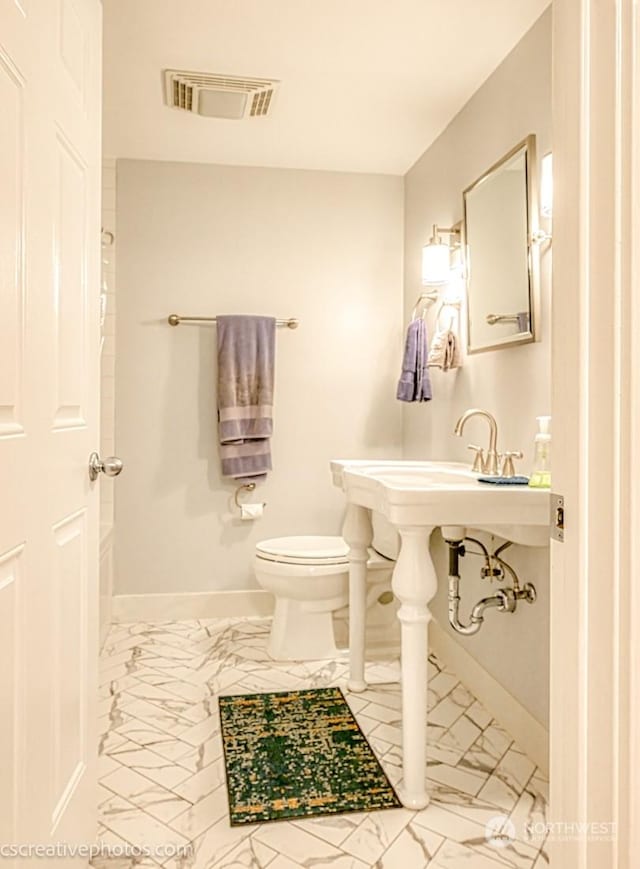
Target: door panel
x: 50, y: 101
x: 73, y: 47
x: 11, y: 683
x: 12, y: 245
x: 70, y: 287
x: 15, y: 422
x: 69, y: 656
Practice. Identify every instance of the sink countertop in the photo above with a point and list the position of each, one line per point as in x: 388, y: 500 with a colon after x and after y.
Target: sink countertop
x: 439, y: 493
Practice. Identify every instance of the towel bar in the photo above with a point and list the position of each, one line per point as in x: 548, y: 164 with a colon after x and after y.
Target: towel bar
x: 176, y: 319
x: 492, y: 319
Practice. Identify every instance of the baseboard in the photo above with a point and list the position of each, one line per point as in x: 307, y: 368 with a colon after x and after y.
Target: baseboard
x: 191, y: 605
x: 527, y: 731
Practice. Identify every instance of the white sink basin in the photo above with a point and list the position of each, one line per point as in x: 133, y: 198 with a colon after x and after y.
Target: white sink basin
x: 445, y: 493
x: 416, y: 476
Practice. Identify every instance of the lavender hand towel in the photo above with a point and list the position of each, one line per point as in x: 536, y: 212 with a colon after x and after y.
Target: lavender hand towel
x: 414, y: 383
x: 246, y: 362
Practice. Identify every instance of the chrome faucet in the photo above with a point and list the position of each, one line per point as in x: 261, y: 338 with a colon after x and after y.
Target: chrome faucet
x: 488, y: 465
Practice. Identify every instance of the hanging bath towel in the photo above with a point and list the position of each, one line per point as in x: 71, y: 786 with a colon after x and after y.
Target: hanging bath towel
x: 246, y: 362
x: 414, y: 383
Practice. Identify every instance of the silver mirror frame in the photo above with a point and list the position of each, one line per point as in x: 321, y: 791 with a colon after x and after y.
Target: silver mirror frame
x: 528, y: 145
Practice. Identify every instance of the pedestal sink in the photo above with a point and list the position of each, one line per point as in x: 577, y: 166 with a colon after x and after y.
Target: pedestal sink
x: 417, y: 497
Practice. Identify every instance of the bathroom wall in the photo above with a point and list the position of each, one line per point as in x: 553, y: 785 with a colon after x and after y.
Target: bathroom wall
x: 203, y: 239
x: 514, y: 384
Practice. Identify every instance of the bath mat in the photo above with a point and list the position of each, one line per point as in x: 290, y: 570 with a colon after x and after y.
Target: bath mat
x: 293, y: 754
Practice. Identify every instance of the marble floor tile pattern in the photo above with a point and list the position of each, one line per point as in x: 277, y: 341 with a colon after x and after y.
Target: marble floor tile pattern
x: 162, y: 779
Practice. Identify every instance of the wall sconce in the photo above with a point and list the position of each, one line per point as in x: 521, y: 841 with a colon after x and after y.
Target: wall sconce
x: 436, y: 256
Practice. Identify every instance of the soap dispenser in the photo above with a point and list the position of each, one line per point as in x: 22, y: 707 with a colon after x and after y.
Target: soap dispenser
x: 541, y: 472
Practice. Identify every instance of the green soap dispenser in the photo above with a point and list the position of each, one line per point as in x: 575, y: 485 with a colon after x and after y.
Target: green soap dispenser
x: 541, y: 473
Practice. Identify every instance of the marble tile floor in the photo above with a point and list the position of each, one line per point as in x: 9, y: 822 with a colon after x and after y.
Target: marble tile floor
x: 161, y: 771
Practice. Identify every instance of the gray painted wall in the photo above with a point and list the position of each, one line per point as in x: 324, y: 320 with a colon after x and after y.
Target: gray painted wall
x: 514, y: 384
x: 200, y: 239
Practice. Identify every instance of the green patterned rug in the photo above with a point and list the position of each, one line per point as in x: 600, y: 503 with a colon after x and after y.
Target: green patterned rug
x: 293, y: 754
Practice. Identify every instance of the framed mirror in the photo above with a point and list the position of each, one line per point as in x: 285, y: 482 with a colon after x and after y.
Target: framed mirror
x: 500, y: 219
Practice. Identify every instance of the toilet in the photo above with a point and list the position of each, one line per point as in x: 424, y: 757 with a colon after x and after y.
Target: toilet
x: 309, y: 579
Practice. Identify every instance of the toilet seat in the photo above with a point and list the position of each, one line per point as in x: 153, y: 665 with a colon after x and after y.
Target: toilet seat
x: 311, y: 550
x: 314, y: 550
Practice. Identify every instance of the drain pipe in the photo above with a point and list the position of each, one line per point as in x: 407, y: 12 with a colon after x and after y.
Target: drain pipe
x: 504, y: 600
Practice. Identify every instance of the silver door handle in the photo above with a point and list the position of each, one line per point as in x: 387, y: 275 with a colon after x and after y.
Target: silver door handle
x: 110, y: 467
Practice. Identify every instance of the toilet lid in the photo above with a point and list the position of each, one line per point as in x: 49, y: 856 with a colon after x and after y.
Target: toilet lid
x: 304, y: 550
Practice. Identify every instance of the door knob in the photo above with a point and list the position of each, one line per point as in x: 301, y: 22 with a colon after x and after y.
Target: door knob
x: 111, y: 466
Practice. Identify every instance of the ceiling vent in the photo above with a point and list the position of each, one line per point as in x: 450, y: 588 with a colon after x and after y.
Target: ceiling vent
x: 219, y: 96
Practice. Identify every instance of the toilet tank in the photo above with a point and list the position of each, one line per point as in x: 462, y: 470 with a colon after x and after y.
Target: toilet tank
x: 386, y: 540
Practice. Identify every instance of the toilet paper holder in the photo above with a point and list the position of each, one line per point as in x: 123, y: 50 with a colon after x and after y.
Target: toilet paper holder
x: 245, y: 487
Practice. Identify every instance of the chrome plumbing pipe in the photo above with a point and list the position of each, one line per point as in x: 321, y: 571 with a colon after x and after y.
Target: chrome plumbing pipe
x: 498, y: 600
x: 504, y: 600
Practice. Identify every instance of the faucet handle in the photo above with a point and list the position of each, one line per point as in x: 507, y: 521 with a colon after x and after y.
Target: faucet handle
x: 508, y: 470
x: 478, y: 462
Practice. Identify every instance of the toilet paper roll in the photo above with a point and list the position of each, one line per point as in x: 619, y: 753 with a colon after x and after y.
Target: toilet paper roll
x: 249, y: 512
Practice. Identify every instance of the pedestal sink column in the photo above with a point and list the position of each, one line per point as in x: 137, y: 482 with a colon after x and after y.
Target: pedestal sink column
x: 358, y: 533
x: 414, y: 584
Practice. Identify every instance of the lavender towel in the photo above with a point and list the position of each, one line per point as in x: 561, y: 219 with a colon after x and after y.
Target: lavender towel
x: 414, y: 383
x: 246, y: 357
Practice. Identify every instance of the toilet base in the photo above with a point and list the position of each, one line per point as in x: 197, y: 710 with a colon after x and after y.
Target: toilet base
x: 298, y: 634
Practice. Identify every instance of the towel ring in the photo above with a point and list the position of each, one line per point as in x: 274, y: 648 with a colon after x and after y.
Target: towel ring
x: 431, y: 297
x: 452, y: 316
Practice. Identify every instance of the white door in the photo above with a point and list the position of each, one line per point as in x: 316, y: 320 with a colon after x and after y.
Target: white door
x: 595, y: 600
x: 50, y: 97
